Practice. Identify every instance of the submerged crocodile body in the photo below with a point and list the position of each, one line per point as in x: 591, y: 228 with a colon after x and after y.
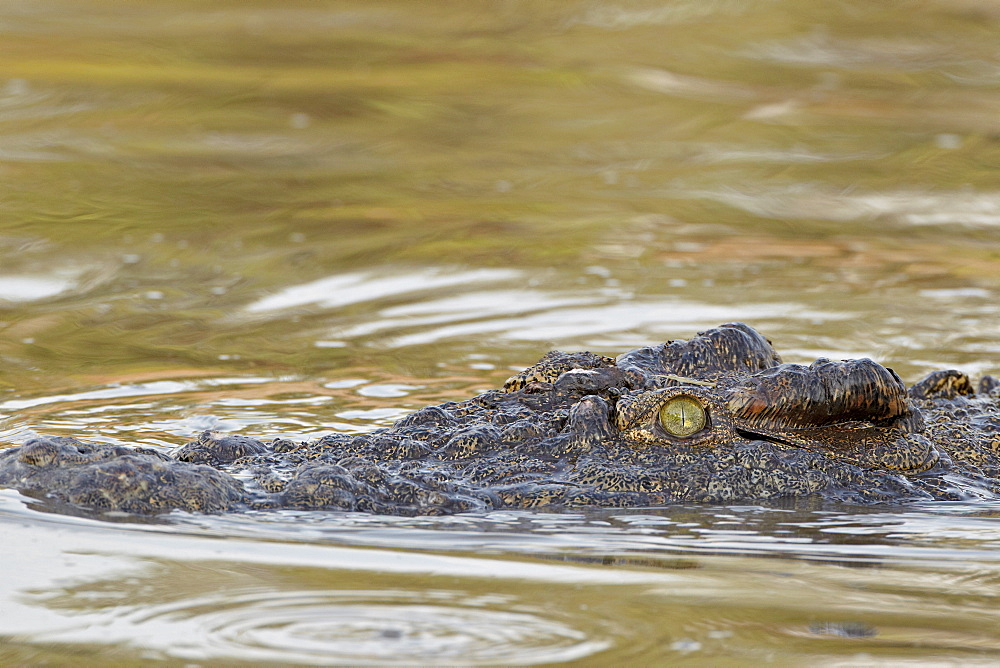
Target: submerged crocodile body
x: 714, y: 419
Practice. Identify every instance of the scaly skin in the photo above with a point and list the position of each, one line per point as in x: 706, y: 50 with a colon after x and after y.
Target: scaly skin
x: 715, y: 419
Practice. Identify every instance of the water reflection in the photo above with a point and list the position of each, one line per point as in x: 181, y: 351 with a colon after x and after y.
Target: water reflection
x: 911, y: 208
x: 598, y: 325
x: 30, y: 288
x: 645, y: 585
x: 337, y: 291
x: 355, y: 627
x: 622, y: 16
x: 290, y: 220
x: 290, y: 407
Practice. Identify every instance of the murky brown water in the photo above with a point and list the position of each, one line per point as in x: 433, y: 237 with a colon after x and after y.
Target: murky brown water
x: 290, y: 218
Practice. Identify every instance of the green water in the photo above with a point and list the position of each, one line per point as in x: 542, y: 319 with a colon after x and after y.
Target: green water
x: 291, y: 218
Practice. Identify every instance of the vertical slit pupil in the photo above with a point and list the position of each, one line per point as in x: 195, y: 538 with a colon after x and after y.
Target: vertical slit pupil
x: 683, y: 416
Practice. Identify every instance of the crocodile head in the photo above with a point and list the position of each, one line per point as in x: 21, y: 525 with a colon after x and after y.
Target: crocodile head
x: 719, y: 418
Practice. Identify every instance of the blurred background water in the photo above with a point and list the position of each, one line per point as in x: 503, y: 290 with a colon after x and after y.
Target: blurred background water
x: 290, y: 218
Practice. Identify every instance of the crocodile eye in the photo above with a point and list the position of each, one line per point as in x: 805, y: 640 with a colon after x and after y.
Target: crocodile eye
x: 683, y: 416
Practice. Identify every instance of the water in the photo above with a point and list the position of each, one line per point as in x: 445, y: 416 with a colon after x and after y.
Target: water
x: 292, y: 218
x: 703, y: 585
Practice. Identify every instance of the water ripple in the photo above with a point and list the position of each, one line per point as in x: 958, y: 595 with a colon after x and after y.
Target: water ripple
x: 356, y: 627
x: 960, y: 207
x: 343, y: 289
x: 601, y: 325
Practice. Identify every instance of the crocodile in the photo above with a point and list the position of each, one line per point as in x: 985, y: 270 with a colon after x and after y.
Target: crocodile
x: 717, y: 419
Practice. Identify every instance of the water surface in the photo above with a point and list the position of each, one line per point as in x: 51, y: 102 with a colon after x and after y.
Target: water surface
x: 291, y: 218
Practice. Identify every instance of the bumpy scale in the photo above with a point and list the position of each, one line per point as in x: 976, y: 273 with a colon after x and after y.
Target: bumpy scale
x: 714, y: 419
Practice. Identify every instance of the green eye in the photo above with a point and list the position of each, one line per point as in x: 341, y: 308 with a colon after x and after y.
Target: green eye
x: 683, y: 416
